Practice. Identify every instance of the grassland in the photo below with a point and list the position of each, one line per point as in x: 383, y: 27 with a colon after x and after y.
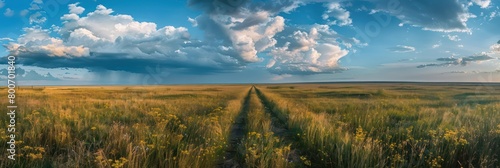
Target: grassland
x: 299, y: 125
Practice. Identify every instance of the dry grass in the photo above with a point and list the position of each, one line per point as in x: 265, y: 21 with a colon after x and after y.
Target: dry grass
x: 332, y: 125
x: 175, y: 126
x: 394, y: 125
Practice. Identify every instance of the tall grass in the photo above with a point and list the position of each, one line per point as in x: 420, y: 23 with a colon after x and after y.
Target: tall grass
x: 401, y: 126
x: 326, y: 145
x: 123, y: 126
x: 338, y: 125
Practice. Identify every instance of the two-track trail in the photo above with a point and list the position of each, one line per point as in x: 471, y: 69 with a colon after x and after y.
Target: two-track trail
x: 236, y: 134
x: 280, y: 128
x: 255, y: 112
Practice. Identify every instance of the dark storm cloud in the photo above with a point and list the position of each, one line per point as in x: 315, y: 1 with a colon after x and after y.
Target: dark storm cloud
x: 117, y: 62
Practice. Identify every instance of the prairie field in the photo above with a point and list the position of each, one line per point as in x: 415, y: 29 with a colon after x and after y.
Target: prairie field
x: 257, y: 126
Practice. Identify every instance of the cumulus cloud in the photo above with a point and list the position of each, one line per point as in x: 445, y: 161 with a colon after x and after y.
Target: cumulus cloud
x: 75, y: 9
x: 37, y: 18
x: 102, y: 40
x: 247, y: 34
x: 236, y: 33
x: 429, y: 14
x: 402, y: 49
x: 482, y: 3
x: 454, y: 38
x: 495, y: 48
x: 449, y: 61
x: 307, y: 53
x: 341, y: 15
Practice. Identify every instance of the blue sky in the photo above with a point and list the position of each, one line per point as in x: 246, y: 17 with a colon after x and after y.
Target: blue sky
x: 59, y: 42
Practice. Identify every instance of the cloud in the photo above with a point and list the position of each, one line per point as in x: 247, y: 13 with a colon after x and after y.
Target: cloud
x: 37, y: 40
x: 246, y: 34
x: 454, y: 38
x: 305, y: 53
x: 236, y: 33
x: 75, y: 9
x: 192, y: 21
x: 24, y: 12
x: 102, y: 40
x: 402, y: 49
x: 482, y: 3
x: 493, y: 15
x: 29, y: 75
x: 436, y: 45
x: 6, y: 39
x: 428, y: 14
x: 495, y: 48
x: 37, y: 18
x: 449, y: 61
x: 2, y: 3
x: 341, y: 15
x: 8, y: 12
x: 33, y: 75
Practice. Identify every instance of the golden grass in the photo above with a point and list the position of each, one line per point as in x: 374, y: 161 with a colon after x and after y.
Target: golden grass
x: 170, y: 126
x: 332, y: 125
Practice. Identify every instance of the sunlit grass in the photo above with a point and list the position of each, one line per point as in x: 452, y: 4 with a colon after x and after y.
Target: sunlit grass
x: 398, y: 125
x: 124, y: 126
x: 334, y: 125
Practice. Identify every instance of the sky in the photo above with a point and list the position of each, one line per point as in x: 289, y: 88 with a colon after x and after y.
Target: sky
x: 127, y: 42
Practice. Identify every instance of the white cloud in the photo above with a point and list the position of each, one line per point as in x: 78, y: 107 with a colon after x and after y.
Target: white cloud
x: 436, y: 45
x: 454, y: 38
x: 495, y: 48
x: 6, y: 39
x: 493, y: 15
x: 37, y: 18
x: 247, y: 33
x: 341, y: 15
x: 75, y: 9
x: 2, y: 4
x: 103, y: 40
x: 402, y: 49
x: 482, y: 3
x: 461, y: 46
x: 307, y: 53
x: 193, y: 22
x: 37, y: 40
x: 8, y: 12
